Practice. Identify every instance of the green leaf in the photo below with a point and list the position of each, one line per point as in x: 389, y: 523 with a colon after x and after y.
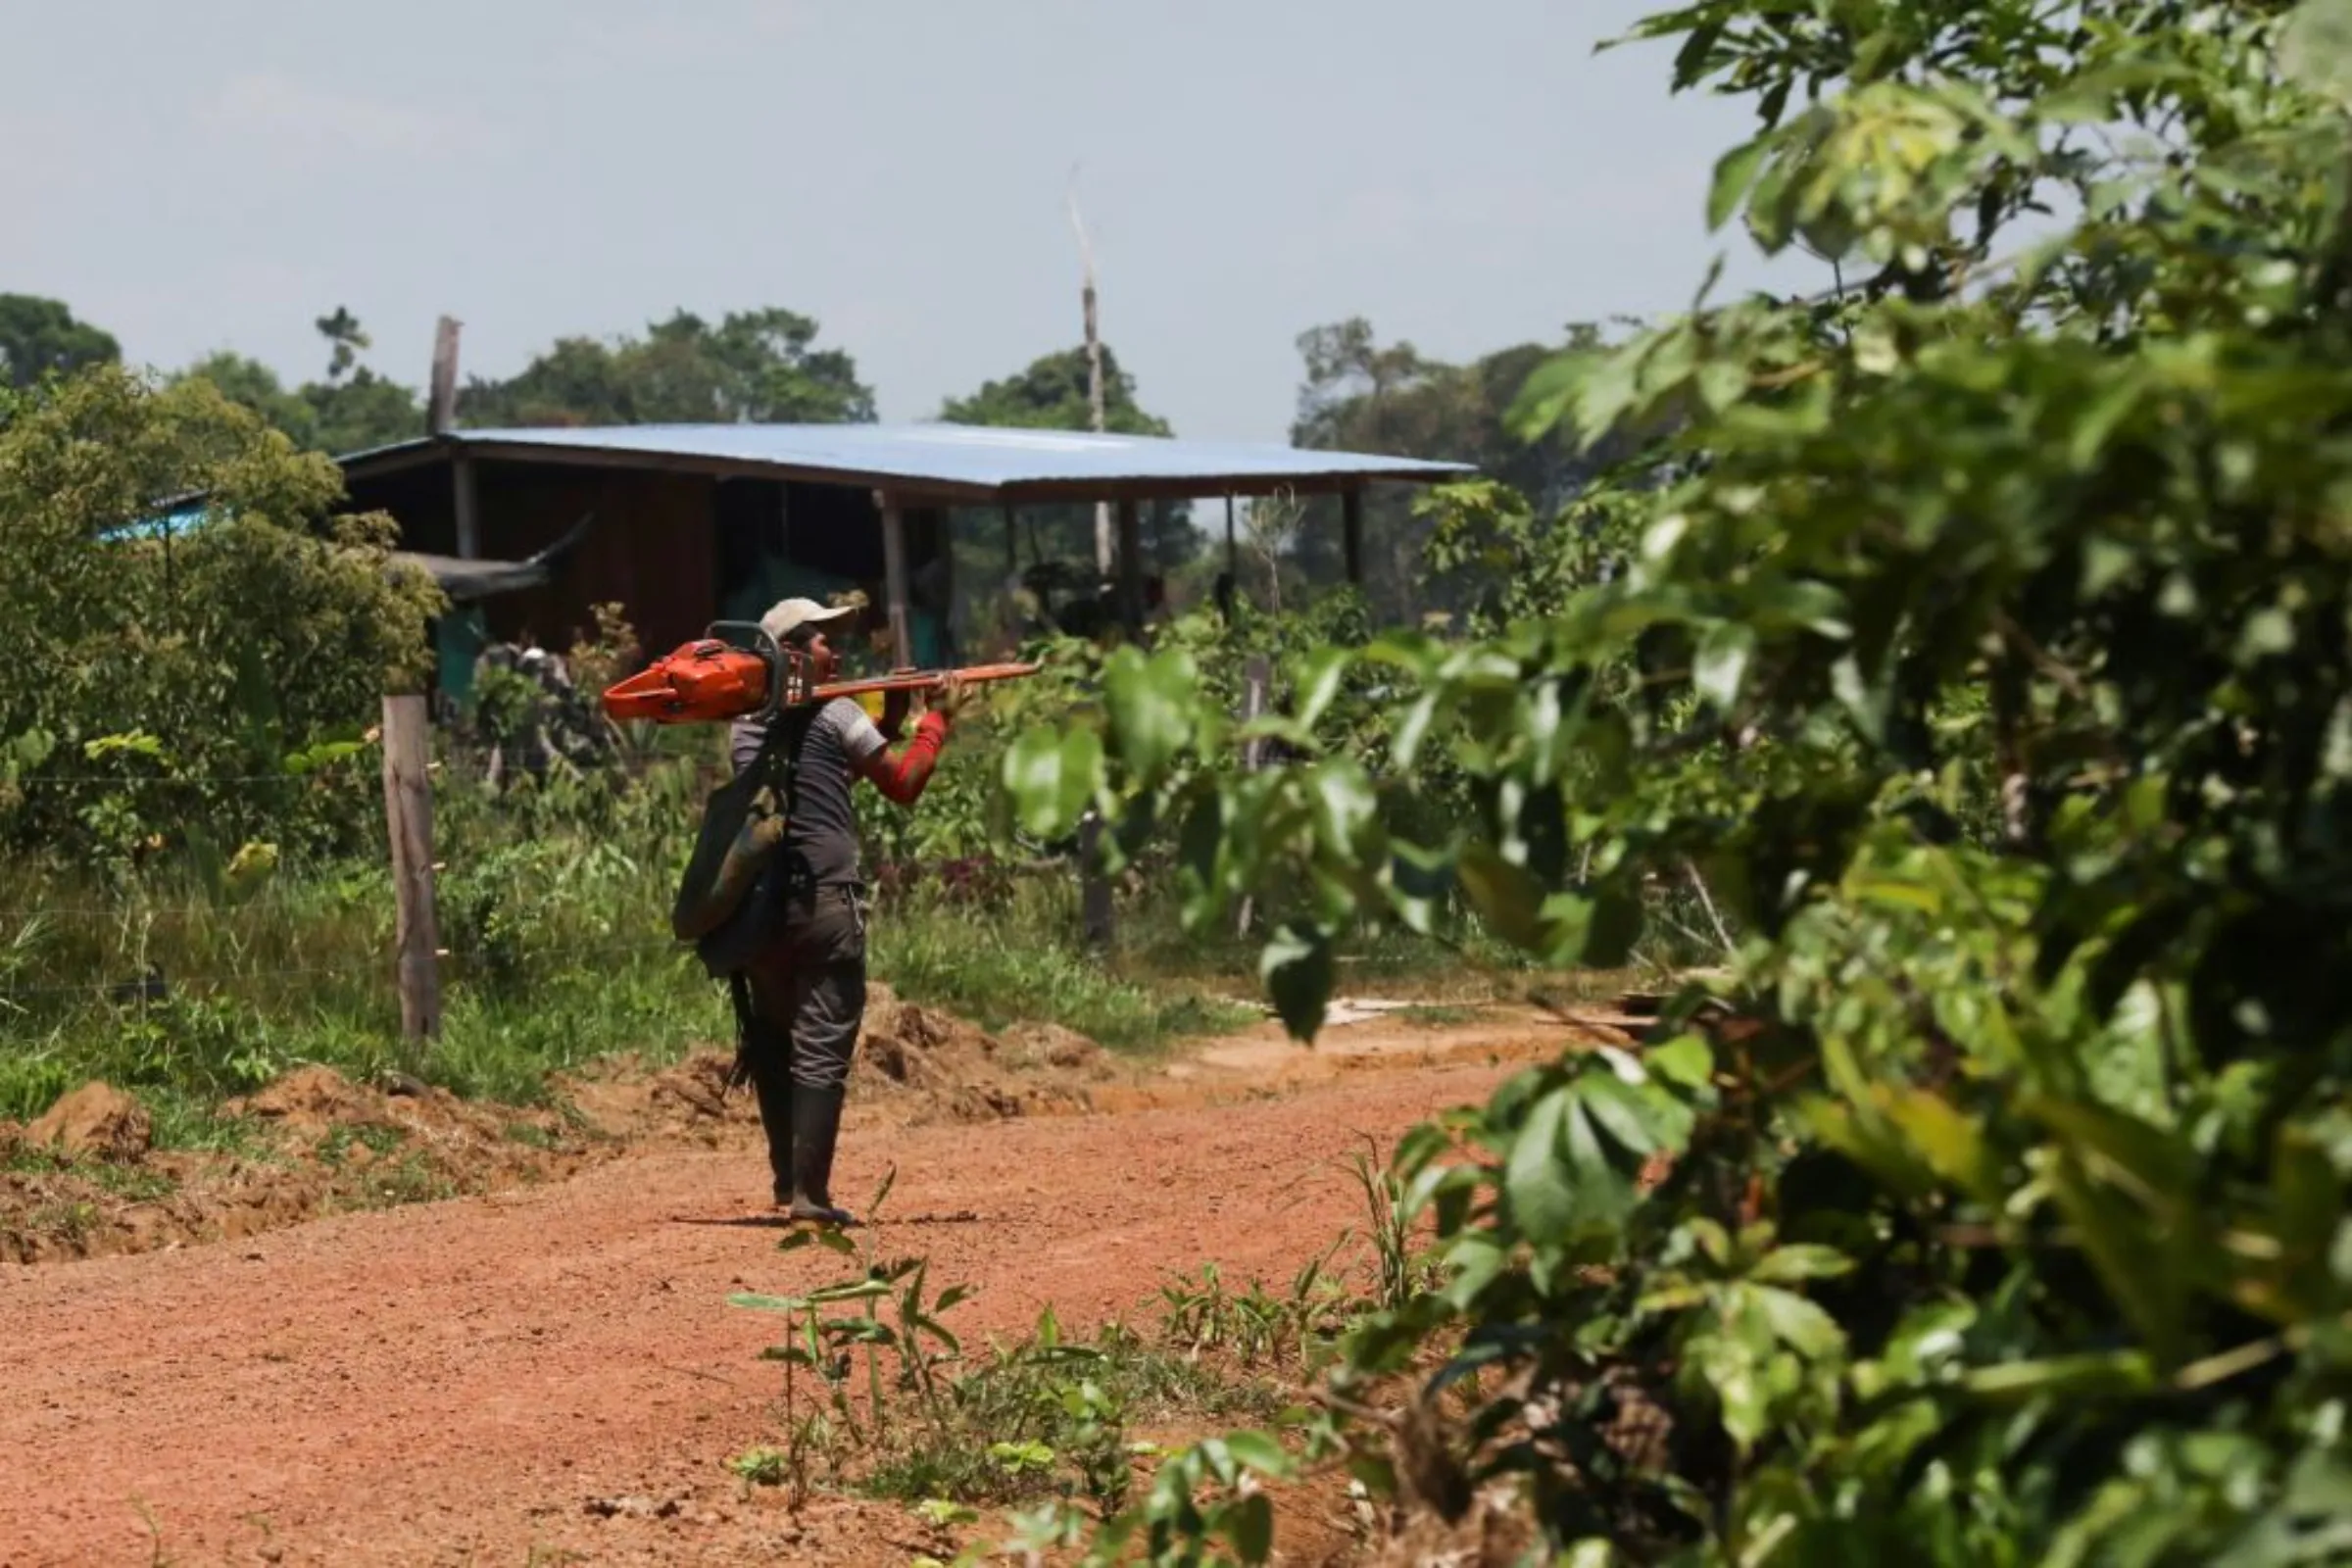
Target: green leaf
x: 1150, y: 702
x: 1505, y: 895
x: 1052, y: 777
x: 1297, y: 969
x: 1549, y: 392
x: 1687, y: 1060
x: 1734, y: 172
x: 1570, y: 1169
x: 1785, y: 1265
x: 2315, y: 49
x: 1722, y: 383
x: 1951, y: 1143
x: 1722, y: 662
x: 1536, y: 1177
x: 1643, y: 1118
x: 1803, y: 603
x: 1799, y: 1323
x: 1405, y: 743
x: 1261, y: 1452
x: 2099, y: 1374
x: 1319, y: 679
x: 1345, y: 804
x: 1248, y: 1523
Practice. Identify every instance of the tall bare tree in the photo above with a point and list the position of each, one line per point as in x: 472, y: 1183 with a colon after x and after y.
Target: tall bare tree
x: 1272, y: 525
x: 1094, y: 367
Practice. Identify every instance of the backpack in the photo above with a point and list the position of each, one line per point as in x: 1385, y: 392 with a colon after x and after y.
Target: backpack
x: 727, y: 903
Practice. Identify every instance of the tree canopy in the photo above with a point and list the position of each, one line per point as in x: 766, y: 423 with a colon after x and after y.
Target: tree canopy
x: 350, y: 410
x: 207, y: 672
x: 1360, y: 395
x: 755, y: 366
x: 1052, y: 394
x: 38, y: 336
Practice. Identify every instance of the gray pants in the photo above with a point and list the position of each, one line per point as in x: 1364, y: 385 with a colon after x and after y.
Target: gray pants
x: 809, y: 992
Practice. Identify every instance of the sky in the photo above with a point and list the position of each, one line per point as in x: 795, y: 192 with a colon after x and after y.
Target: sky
x: 209, y: 176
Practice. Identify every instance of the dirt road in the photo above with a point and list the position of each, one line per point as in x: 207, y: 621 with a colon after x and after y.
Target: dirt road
x: 555, y: 1374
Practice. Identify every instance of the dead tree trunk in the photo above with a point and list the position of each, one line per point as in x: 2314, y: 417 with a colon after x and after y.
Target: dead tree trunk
x: 1093, y: 371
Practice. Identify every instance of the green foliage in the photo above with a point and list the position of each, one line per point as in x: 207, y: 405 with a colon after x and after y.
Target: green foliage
x: 194, y: 691
x: 39, y: 337
x: 353, y: 409
x: 1981, y: 650
x: 1363, y: 396
x: 754, y: 365
x: 880, y: 1394
x: 1052, y: 393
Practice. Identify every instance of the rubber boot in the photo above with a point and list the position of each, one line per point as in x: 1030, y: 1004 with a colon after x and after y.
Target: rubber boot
x: 771, y: 1083
x: 816, y: 1129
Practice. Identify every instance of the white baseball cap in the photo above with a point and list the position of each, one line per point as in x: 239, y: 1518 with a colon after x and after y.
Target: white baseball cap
x: 788, y: 615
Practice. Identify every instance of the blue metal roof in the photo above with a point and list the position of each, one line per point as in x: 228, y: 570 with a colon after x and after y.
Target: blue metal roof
x: 948, y: 458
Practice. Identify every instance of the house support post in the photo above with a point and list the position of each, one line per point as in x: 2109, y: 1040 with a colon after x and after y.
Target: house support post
x: 1131, y: 568
x: 894, y: 573
x: 1352, y: 533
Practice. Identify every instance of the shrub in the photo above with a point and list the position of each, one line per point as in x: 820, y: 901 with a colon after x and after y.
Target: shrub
x: 185, y: 690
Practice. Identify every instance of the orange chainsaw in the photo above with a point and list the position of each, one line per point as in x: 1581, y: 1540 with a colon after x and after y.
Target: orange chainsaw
x: 711, y: 681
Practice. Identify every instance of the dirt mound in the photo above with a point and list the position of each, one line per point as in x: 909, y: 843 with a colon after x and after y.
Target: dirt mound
x: 315, y: 1142
x: 914, y: 1064
x: 685, y: 1103
x: 309, y: 1100
x: 959, y: 1072
x: 81, y: 1181
x: 96, y: 1121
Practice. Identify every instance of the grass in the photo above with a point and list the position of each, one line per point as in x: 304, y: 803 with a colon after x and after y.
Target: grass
x: 881, y: 1400
x: 189, y: 991
x: 1045, y: 1412
x: 137, y: 1183
x: 1025, y: 964
x: 1422, y: 1016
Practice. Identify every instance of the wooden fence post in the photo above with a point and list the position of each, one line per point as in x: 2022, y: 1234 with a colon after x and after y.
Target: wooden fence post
x: 1094, y: 888
x: 408, y: 824
x: 1256, y: 671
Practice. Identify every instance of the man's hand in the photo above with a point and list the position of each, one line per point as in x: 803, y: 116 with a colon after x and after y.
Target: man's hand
x: 947, y: 699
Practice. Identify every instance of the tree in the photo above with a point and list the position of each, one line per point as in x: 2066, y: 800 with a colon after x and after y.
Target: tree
x: 254, y: 386
x: 351, y: 410
x: 366, y: 411
x: 755, y: 365
x: 38, y: 336
x: 1052, y: 394
x: 1359, y: 395
x: 1979, y: 679
x: 342, y: 330
x: 198, y: 672
x: 355, y: 409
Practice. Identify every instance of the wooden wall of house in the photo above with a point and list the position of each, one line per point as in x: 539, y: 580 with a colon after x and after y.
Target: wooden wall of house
x: 660, y: 547
x: 649, y: 551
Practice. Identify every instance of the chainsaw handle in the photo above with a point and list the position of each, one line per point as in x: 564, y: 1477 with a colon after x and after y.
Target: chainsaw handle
x: 781, y: 669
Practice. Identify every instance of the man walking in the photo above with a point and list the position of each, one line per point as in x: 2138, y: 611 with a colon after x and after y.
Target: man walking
x: 807, y: 983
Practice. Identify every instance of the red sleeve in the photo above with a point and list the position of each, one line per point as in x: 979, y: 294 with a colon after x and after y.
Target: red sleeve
x: 901, y: 777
